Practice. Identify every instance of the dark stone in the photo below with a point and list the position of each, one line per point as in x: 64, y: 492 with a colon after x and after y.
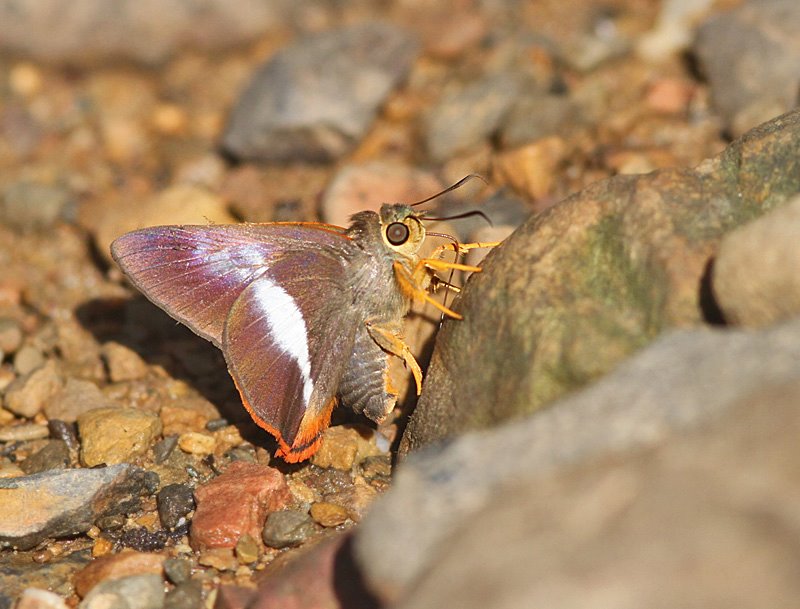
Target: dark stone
x: 287, y: 528
x: 178, y: 570
x: 186, y: 595
x: 53, y: 455
x: 174, y: 502
x: 163, y: 448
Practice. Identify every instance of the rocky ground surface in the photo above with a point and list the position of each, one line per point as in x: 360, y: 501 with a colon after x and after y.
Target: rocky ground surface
x: 614, y: 422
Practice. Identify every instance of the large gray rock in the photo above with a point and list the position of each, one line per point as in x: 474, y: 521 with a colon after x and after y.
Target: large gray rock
x: 707, y: 521
x: 581, y: 286
x: 684, y: 380
x: 315, y: 98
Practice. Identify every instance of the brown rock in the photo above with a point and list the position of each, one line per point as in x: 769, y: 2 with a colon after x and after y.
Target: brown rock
x: 328, y: 514
x: 28, y: 395
x: 236, y: 503
x: 127, y: 562
x: 343, y: 447
x: 116, y: 435
x: 531, y: 170
x: 356, y: 499
x: 80, y: 350
x: 76, y: 398
x: 195, y: 443
x: 755, y: 275
x: 10, y: 336
x: 123, y: 363
x: 178, y: 420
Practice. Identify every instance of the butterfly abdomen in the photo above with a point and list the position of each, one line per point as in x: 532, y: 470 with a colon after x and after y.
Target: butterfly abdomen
x: 364, y: 386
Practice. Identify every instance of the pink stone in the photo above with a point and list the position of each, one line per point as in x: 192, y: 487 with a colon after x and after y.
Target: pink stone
x: 235, y: 503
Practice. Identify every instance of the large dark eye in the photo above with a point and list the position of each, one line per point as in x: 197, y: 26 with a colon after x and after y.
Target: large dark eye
x: 397, y: 233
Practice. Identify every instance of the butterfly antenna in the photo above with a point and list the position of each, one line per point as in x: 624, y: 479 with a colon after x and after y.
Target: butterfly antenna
x: 466, y: 214
x: 458, y: 184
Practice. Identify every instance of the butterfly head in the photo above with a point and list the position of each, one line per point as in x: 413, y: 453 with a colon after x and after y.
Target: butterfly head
x: 396, y: 230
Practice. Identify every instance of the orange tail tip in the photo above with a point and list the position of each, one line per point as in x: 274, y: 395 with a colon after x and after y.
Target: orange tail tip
x: 309, y: 436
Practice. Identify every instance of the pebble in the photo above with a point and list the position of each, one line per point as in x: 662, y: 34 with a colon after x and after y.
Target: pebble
x: 247, y: 549
x: 28, y: 206
x: 114, y: 566
x: 287, y: 528
x: 64, y: 503
x: 531, y: 170
x: 221, y: 559
x: 133, y: 592
x: 356, y: 499
x: 23, y: 432
x: 467, y: 116
x: 235, y: 503
x: 66, y: 432
x: 314, y: 99
x: 537, y: 115
x: 27, y: 359
x: 187, y: 595
x: 53, y: 455
x: 164, y: 448
x: 178, y: 570
x: 34, y: 598
x: 10, y: 336
x: 367, y: 186
x: 29, y: 394
x: 174, y: 502
x: 196, y: 443
x: 343, y: 447
x: 179, y: 420
x: 77, y: 397
x: 116, y: 435
x: 123, y: 363
x: 378, y: 466
x: 328, y: 514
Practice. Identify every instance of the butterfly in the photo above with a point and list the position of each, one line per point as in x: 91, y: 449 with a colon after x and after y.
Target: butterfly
x: 306, y: 314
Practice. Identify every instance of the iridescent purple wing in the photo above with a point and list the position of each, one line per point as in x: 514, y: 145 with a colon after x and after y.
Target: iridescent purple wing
x: 287, y: 341
x: 195, y: 273
x: 273, y: 297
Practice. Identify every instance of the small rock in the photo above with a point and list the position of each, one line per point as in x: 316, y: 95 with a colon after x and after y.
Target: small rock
x: 10, y: 336
x: 28, y: 395
x: 765, y: 32
x: 28, y: 359
x: 10, y: 470
x: 77, y: 397
x: 531, y: 170
x: 179, y: 420
x: 357, y: 188
x: 34, y: 598
x: 236, y: 503
x: 196, y: 443
x: 754, y: 278
x: 115, y: 566
x: 116, y: 435
x: 79, y: 350
x: 379, y: 466
x: 174, y: 502
x: 178, y: 570
x: 315, y: 98
x: 23, y: 432
x: 61, y: 503
x: 164, y: 448
x: 670, y: 95
x: 247, y: 549
x: 186, y: 595
x: 464, y: 118
x: 53, y: 455
x: 123, y: 363
x: 356, y: 499
x: 133, y: 592
x: 287, y: 528
x: 221, y: 559
x: 29, y: 205
x: 66, y: 432
x: 328, y: 514
x: 342, y: 448
x: 21, y: 571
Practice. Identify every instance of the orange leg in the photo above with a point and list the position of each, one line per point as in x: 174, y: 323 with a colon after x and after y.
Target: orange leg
x: 389, y: 340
